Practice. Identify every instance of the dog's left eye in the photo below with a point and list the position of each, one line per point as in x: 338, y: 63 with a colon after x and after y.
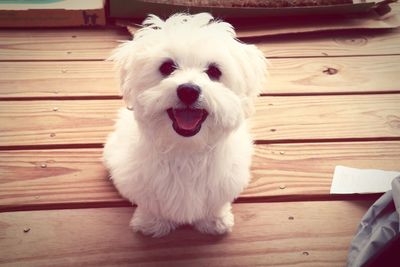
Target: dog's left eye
x: 213, y: 72
x: 167, y: 67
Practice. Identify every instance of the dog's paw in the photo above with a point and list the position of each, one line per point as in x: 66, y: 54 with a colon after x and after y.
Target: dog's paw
x: 150, y: 225
x: 216, y: 225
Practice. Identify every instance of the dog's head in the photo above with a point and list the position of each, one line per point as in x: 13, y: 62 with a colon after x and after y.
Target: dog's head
x: 188, y: 79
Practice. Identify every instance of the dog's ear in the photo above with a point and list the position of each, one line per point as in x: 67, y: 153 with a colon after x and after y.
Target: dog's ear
x: 130, y: 56
x: 254, y: 69
x: 123, y: 58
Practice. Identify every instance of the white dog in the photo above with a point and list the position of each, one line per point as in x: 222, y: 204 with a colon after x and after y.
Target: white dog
x: 183, y: 154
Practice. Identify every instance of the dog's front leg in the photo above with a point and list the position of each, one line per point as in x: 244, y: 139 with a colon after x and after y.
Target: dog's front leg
x: 219, y: 222
x: 148, y: 224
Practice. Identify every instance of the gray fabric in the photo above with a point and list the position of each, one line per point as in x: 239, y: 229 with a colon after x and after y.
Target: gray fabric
x: 378, y: 226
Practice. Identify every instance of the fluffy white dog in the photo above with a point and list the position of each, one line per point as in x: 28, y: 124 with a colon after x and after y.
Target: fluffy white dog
x: 183, y: 154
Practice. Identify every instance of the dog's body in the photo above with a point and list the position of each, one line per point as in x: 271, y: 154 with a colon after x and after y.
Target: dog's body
x: 184, y: 154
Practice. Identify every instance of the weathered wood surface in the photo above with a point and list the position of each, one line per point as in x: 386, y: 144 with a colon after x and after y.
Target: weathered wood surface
x: 50, y: 158
x: 47, y: 178
x: 346, y: 43
x: 277, y: 119
x: 55, y: 44
x: 304, y: 171
x: 267, y: 234
x: 76, y: 177
x: 327, y: 117
x: 56, y: 122
x: 289, y: 76
x: 57, y: 79
x: 333, y: 75
x: 87, y: 44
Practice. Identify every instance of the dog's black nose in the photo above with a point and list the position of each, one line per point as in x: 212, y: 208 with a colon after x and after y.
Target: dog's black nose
x: 188, y: 93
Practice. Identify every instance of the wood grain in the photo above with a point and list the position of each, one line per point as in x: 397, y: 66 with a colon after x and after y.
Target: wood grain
x: 27, y: 123
x: 289, y: 76
x: 47, y: 178
x: 263, y: 236
x: 326, y: 117
x: 55, y: 44
x: 341, y: 43
x: 89, y: 44
x: 76, y: 177
x: 304, y: 171
x: 333, y: 75
x: 56, y: 122
x: 57, y: 79
x: 293, y: 159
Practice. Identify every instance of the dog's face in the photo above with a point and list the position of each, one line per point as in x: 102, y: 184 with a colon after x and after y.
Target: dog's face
x: 188, y: 79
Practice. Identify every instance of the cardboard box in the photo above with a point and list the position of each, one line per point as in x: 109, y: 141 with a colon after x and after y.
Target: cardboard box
x: 52, y: 13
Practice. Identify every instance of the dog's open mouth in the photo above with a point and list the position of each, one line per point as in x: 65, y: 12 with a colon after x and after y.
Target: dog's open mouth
x: 187, y: 121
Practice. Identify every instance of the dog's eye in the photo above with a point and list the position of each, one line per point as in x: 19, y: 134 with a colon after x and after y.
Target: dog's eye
x: 213, y: 72
x: 167, y: 67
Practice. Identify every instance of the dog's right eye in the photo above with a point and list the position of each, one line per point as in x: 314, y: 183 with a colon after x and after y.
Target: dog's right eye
x: 167, y: 67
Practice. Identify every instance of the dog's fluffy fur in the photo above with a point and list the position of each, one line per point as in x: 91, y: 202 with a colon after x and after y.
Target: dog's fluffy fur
x: 175, y: 179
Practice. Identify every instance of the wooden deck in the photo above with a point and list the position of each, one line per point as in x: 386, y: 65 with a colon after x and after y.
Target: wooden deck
x: 332, y: 99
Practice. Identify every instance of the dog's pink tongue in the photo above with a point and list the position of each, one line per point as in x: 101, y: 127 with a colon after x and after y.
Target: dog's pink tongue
x: 188, y: 119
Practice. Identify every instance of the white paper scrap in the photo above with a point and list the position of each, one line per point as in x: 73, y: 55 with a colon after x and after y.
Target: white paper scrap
x: 358, y: 181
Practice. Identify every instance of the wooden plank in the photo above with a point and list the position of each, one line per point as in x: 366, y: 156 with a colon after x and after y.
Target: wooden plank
x: 323, y: 44
x: 59, y: 44
x: 287, y: 234
x: 287, y: 76
x: 57, y: 79
x: 90, y: 44
x: 327, y: 117
x: 333, y: 75
x: 27, y: 123
x: 305, y: 171
x: 42, y: 179
x: 56, y: 122
x: 51, y: 178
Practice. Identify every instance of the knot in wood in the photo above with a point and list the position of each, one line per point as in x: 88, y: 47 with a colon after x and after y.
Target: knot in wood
x: 330, y: 71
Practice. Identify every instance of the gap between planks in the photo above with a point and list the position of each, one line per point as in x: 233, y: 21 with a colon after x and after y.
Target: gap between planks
x: 101, y: 59
x: 115, y: 97
x: 241, y: 200
x: 256, y: 142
